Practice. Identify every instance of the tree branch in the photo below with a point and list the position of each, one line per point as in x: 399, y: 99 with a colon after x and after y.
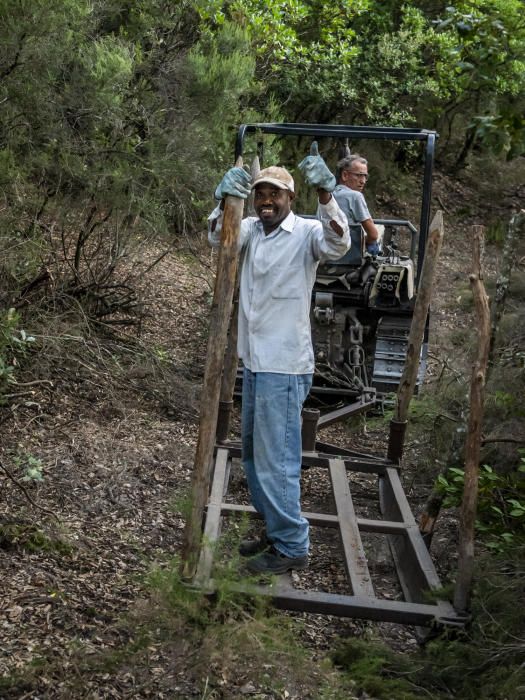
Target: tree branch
x: 25, y: 492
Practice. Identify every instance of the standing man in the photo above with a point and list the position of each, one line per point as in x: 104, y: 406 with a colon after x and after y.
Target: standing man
x: 352, y: 176
x: 280, y: 254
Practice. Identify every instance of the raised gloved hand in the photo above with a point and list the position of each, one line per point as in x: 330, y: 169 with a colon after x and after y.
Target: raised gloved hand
x: 315, y: 170
x: 236, y: 182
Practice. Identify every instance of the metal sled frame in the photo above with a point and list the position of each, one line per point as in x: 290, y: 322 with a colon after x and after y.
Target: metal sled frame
x: 418, y: 581
x: 416, y: 573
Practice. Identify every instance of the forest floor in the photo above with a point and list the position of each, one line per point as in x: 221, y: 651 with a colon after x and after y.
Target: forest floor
x: 100, y: 432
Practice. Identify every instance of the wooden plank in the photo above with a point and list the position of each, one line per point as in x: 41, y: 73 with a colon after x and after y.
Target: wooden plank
x: 355, y: 559
x: 212, y: 525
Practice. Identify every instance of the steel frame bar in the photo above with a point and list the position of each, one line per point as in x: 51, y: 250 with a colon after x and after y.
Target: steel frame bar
x: 364, y: 404
x: 412, y: 561
x: 354, y: 461
x: 354, y: 553
x: 212, y: 527
x: 286, y: 597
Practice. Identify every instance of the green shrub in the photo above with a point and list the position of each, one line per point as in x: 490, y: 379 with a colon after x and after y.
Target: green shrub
x: 14, y: 342
x: 501, y: 503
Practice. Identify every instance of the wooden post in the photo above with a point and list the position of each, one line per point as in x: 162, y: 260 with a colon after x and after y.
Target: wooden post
x: 218, y: 331
x: 231, y: 359
x: 503, y: 282
x: 415, y: 339
x: 473, y: 441
x: 428, y: 517
x: 231, y: 362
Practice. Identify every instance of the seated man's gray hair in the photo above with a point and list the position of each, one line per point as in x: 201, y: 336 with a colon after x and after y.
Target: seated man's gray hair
x: 347, y: 163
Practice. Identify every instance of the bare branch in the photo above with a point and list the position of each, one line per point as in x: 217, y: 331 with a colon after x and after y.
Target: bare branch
x: 26, y: 494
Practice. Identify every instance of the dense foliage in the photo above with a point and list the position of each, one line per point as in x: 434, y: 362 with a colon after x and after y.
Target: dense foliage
x: 119, y: 117
x: 114, y: 118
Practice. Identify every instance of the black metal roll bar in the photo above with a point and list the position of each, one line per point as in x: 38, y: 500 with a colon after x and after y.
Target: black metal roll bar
x: 385, y: 133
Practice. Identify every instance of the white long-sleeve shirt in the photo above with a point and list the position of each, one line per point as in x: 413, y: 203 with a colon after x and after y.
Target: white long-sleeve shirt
x: 276, y: 280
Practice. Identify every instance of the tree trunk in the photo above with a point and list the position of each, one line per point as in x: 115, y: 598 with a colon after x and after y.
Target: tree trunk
x: 473, y: 441
x: 470, y: 139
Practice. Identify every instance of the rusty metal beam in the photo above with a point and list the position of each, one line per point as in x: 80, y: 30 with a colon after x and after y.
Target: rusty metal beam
x: 354, y: 553
x: 288, y: 598
x: 414, y: 566
x: 327, y: 449
x: 353, y: 464
x: 352, y: 409
x: 381, y: 527
x: 354, y: 461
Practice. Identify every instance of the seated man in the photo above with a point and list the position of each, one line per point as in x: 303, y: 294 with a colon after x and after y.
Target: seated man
x: 352, y: 175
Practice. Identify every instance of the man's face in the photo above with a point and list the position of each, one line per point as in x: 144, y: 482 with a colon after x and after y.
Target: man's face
x: 272, y: 205
x: 355, y: 178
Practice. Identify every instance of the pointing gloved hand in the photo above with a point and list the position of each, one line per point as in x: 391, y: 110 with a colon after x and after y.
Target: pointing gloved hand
x: 235, y: 182
x: 315, y: 170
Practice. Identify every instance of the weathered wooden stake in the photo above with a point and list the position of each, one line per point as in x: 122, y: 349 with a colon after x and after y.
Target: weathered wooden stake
x: 429, y: 515
x: 218, y: 331
x: 415, y: 339
x: 231, y: 359
x: 473, y: 442
x: 231, y: 362
x: 503, y: 281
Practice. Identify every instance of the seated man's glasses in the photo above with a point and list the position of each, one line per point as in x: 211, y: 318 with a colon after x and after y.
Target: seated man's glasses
x: 361, y: 176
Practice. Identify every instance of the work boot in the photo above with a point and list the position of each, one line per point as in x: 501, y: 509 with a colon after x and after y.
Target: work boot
x: 272, y: 561
x: 253, y: 546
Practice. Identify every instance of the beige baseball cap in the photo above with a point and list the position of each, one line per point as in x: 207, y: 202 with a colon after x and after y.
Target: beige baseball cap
x: 274, y: 175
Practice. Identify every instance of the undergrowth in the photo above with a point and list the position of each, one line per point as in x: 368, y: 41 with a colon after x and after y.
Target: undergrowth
x: 501, y: 502
x: 31, y: 538
x: 236, y: 634
x: 482, y: 662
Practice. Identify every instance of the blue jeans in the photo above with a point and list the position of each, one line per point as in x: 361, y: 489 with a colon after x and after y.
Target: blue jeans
x: 271, y: 454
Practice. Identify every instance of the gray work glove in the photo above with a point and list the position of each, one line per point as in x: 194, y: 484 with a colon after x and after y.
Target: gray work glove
x: 315, y: 171
x: 235, y: 182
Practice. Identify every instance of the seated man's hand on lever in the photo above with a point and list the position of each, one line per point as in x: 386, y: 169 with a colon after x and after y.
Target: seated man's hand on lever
x: 316, y: 172
x: 236, y: 182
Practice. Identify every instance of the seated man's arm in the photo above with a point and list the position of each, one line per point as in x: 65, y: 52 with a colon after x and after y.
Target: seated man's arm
x: 372, y: 234
x: 362, y: 215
